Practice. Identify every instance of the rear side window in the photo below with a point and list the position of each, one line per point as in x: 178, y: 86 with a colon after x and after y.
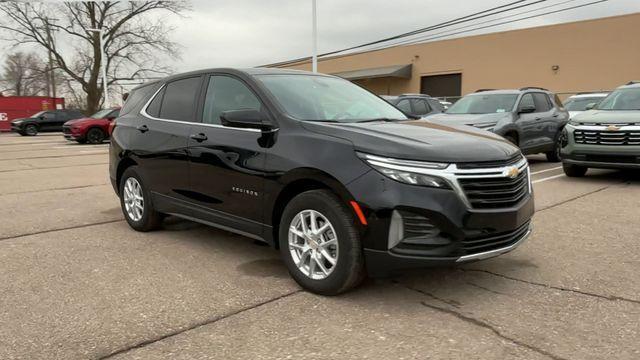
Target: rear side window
x: 136, y: 97
x: 225, y: 93
x: 420, y: 107
x: 179, y: 100
x: 542, y: 102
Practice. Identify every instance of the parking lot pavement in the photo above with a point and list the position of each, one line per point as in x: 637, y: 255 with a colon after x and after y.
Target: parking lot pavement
x: 76, y: 282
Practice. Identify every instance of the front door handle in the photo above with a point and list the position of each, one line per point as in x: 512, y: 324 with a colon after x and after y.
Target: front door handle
x: 143, y: 128
x: 555, y: 115
x: 199, y: 137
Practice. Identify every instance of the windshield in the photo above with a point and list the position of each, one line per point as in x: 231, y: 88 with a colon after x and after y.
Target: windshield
x: 484, y: 104
x: 101, y: 114
x: 622, y: 99
x: 37, y: 114
x: 580, y: 104
x: 320, y: 98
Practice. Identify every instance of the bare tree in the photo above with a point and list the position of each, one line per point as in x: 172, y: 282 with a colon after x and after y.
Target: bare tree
x: 24, y: 74
x: 133, y: 39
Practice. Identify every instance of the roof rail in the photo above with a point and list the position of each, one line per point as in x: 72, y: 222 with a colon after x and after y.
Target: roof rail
x: 533, y: 88
x: 482, y: 90
x: 414, y: 94
x: 633, y: 82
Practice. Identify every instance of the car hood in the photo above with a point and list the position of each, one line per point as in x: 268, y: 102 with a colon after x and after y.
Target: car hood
x: 82, y: 121
x: 421, y: 140
x: 608, y: 117
x: 480, y: 120
x: 20, y: 120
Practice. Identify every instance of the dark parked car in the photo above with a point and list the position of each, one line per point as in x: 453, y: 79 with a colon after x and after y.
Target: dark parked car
x: 416, y: 104
x: 93, y: 129
x: 343, y: 183
x: 44, y: 121
x: 532, y: 118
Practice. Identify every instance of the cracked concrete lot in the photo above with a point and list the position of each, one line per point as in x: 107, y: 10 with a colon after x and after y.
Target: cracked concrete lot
x: 77, y: 283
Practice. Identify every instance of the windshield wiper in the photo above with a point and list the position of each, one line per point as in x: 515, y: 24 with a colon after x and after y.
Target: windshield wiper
x: 379, y: 119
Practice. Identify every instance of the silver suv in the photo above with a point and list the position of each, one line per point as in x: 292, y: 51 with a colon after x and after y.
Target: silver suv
x: 531, y: 118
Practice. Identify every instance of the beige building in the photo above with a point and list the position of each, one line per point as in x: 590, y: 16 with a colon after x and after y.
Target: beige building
x: 572, y: 57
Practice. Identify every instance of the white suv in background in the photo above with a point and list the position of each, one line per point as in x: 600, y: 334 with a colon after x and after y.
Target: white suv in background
x: 581, y: 102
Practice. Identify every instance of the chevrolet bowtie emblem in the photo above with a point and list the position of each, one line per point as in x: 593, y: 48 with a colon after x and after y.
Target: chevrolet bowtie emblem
x: 511, y: 172
x: 612, y: 128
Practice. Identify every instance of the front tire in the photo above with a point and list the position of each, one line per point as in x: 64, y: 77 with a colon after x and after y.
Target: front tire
x: 574, y: 170
x: 95, y: 136
x: 320, y: 244
x: 135, y: 201
x: 31, y: 130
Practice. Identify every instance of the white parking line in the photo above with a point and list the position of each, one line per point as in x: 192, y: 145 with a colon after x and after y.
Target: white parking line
x: 545, y: 170
x: 548, y: 178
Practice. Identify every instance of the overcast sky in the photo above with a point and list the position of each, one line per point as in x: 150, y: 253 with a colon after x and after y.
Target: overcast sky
x: 255, y: 32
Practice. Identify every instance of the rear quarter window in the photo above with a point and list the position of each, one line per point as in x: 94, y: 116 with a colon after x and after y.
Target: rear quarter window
x: 138, y: 97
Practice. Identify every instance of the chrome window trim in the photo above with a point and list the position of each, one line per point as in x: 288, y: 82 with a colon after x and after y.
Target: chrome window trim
x: 451, y: 173
x: 144, y: 113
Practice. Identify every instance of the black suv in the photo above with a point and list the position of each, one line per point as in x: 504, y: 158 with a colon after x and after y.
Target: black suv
x: 415, y: 104
x: 531, y: 117
x: 343, y: 183
x: 44, y: 121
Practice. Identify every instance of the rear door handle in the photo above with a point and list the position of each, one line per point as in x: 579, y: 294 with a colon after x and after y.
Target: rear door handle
x: 199, y: 137
x: 143, y: 128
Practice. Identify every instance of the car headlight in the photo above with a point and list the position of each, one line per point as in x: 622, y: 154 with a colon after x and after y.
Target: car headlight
x: 407, y: 171
x: 573, y: 123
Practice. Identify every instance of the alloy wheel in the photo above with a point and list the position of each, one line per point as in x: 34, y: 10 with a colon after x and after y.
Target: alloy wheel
x: 31, y: 130
x: 313, y: 244
x: 133, y: 199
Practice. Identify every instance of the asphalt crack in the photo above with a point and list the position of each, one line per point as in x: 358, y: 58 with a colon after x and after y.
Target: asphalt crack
x: 560, y: 288
x: 491, y: 328
x: 54, y: 189
x: 197, y: 325
x: 59, y: 229
x: 579, y: 197
x: 476, y: 322
x: 31, y: 167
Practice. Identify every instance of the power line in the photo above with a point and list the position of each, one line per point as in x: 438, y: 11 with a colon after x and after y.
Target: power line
x: 415, y: 40
x: 456, y: 21
x: 506, y: 22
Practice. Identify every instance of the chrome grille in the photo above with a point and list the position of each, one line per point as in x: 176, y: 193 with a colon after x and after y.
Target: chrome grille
x: 599, y: 137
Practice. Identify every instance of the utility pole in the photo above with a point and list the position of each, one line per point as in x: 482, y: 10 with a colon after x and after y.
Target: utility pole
x: 314, y: 55
x: 103, y: 65
x: 51, y: 76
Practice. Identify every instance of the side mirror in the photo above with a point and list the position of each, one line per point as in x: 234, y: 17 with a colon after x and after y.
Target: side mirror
x: 590, y: 106
x: 527, y: 109
x: 244, y: 119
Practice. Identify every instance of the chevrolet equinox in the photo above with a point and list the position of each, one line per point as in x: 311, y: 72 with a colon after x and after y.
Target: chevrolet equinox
x: 340, y: 181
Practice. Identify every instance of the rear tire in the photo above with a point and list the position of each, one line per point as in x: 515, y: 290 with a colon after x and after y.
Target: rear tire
x: 554, y: 155
x: 95, y: 136
x: 135, y: 201
x: 341, y: 237
x: 574, y: 170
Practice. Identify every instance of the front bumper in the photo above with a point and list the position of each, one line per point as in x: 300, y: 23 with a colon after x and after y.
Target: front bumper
x: 461, y: 233
x: 614, y: 156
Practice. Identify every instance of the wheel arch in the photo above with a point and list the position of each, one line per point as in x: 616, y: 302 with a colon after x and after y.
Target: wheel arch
x: 123, y: 165
x: 296, y: 182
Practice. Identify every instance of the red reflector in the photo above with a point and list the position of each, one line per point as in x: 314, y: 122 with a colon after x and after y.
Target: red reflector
x: 358, y: 211
x: 112, y: 125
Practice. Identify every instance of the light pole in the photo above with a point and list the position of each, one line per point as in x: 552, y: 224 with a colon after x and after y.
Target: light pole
x: 103, y: 65
x: 314, y: 55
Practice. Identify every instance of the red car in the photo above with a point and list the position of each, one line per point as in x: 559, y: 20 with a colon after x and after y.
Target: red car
x: 93, y: 129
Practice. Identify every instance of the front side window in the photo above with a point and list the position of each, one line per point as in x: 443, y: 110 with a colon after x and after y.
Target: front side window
x: 542, y: 102
x: 420, y: 107
x: 179, y: 99
x: 225, y: 93
x: 484, y: 104
x: 404, y: 106
x: 622, y: 99
x: 527, y: 102
x: 322, y: 98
